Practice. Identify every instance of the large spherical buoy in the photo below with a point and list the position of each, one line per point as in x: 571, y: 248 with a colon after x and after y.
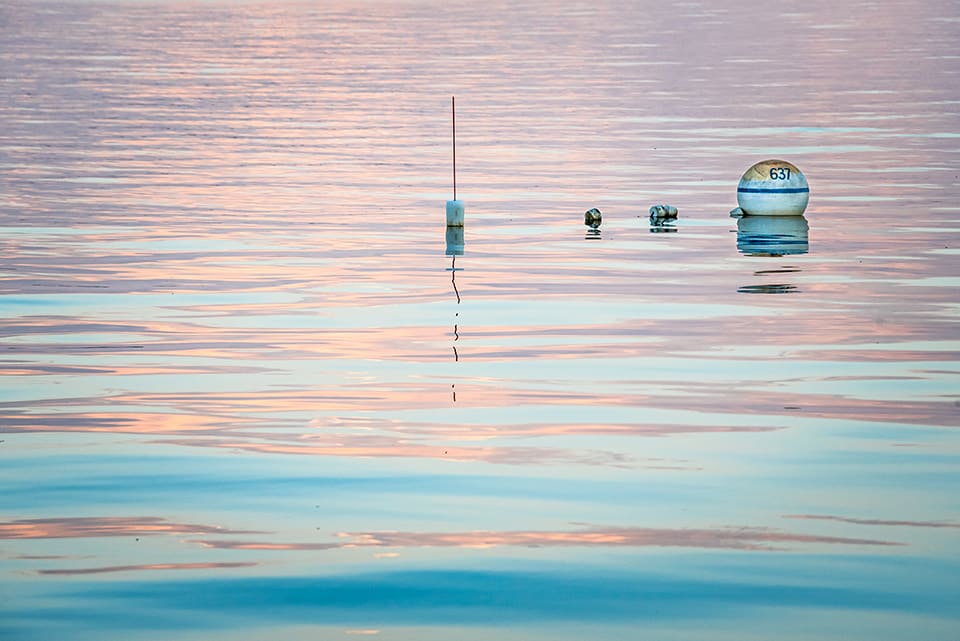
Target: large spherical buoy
x: 773, y: 188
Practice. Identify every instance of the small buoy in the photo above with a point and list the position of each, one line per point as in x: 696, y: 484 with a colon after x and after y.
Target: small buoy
x: 454, y: 213
x: 736, y: 212
x: 773, y: 188
x: 660, y: 213
x: 592, y: 218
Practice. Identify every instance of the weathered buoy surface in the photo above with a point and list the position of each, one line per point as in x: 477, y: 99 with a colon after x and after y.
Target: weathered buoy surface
x: 773, y: 188
x: 592, y: 218
x: 454, y: 213
x: 659, y: 213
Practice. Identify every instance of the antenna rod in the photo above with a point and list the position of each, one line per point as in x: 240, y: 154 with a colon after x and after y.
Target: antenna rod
x: 453, y: 122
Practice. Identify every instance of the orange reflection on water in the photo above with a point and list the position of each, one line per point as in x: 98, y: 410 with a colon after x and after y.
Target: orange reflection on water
x: 105, y: 526
x: 120, y: 422
x: 148, y: 566
x: 482, y: 432
x: 735, y: 538
x: 362, y: 446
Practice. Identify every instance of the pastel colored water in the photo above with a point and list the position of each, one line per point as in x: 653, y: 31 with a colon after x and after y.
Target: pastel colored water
x: 247, y: 393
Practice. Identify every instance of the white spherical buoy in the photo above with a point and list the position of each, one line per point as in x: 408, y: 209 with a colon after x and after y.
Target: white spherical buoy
x: 773, y: 188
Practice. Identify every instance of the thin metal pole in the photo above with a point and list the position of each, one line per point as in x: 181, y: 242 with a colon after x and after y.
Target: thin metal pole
x: 453, y: 123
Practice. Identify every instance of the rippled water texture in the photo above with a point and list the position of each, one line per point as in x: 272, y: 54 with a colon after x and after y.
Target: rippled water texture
x: 252, y: 390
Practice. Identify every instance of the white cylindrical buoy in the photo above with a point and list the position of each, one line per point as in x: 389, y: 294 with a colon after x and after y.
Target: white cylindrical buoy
x: 773, y: 188
x: 454, y: 213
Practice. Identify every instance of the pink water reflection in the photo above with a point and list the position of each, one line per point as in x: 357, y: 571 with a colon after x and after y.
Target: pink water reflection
x: 83, y: 527
x: 734, y: 538
x: 880, y: 522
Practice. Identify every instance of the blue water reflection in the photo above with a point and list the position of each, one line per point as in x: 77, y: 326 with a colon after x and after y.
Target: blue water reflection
x: 703, y: 590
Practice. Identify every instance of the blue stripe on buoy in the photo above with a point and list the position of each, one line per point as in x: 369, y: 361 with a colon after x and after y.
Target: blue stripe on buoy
x: 791, y: 190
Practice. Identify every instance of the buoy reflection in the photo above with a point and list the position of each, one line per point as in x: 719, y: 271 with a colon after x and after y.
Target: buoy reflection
x: 455, y: 241
x: 454, y: 237
x: 772, y: 235
x: 771, y: 288
x: 662, y: 228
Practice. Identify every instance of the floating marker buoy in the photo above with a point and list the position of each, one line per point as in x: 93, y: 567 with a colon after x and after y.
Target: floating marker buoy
x: 454, y: 213
x: 592, y: 218
x: 773, y: 188
x: 659, y: 213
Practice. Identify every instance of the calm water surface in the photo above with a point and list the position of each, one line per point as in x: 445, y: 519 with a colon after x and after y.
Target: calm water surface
x: 249, y: 391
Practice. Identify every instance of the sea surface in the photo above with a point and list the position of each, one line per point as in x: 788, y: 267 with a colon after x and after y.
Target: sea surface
x: 252, y: 389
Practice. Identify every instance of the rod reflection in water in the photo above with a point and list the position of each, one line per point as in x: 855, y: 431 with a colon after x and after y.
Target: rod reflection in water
x: 453, y: 281
x: 455, y: 245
